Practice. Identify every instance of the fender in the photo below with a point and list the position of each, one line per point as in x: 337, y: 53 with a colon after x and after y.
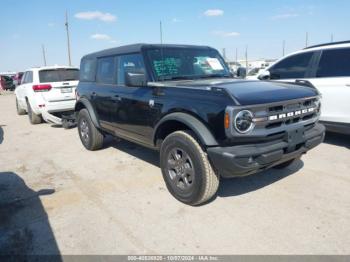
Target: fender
x: 86, y: 104
x: 201, y: 131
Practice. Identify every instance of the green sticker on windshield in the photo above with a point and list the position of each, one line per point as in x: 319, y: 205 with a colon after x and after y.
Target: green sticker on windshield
x: 168, y: 66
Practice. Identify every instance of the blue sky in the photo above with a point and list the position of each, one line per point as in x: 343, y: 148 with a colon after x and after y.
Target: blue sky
x: 230, y: 24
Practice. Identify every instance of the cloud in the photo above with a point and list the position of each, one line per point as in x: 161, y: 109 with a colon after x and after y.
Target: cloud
x: 214, y: 12
x: 284, y: 16
x: 226, y: 34
x: 105, y: 17
x: 176, y: 20
x: 100, y: 37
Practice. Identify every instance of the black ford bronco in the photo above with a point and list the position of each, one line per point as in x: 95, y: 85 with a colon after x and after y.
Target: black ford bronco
x: 184, y: 102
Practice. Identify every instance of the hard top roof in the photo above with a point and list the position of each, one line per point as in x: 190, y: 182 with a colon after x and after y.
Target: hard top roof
x: 135, y: 48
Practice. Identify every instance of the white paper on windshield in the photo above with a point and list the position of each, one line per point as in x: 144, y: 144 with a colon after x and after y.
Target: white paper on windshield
x: 215, y: 63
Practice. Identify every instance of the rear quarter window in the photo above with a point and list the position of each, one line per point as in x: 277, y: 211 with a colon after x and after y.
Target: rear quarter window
x: 87, y: 70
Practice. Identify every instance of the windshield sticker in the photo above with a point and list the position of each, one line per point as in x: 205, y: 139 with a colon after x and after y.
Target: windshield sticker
x: 168, y: 66
x: 215, y: 63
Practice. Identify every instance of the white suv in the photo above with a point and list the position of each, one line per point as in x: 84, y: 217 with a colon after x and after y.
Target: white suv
x: 46, y: 92
x: 327, y: 67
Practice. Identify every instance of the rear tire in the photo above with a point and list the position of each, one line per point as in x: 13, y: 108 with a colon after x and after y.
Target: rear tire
x: 20, y: 111
x: 34, y: 119
x: 90, y: 136
x: 186, y: 169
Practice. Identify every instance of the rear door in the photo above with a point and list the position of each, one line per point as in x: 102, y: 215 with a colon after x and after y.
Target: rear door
x: 332, y: 79
x: 63, y: 82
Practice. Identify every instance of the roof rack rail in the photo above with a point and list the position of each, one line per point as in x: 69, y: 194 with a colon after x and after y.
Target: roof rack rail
x: 331, y: 43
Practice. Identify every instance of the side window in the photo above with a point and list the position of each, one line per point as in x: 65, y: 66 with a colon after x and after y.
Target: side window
x: 295, y: 66
x: 87, y: 70
x: 334, y: 63
x: 129, y: 63
x: 29, y: 77
x: 106, y: 70
x: 24, y: 78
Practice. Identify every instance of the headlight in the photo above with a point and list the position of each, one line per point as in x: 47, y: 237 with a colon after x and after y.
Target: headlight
x: 244, y: 122
x: 318, y: 105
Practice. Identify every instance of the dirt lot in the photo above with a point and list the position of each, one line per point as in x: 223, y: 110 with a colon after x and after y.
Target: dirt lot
x: 57, y: 197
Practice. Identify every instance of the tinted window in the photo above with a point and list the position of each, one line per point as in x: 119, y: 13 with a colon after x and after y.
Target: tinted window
x: 129, y: 63
x: 87, y: 70
x: 58, y: 75
x: 334, y: 63
x: 106, y: 70
x: 292, y: 67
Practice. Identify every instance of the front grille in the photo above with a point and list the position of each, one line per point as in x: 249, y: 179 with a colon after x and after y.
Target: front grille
x: 279, y: 116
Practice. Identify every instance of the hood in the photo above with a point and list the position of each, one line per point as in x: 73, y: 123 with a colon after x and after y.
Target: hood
x: 247, y: 92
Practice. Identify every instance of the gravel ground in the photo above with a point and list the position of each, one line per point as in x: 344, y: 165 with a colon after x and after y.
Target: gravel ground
x: 57, y: 197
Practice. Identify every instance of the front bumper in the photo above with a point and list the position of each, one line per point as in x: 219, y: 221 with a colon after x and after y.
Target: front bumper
x: 243, y: 160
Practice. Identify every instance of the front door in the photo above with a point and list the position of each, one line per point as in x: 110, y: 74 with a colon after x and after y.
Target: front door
x: 138, y: 106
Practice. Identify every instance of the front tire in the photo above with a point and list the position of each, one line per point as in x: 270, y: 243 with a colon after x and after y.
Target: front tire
x: 186, y: 169
x: 90, y: 136
x: 34, y: 119
x: 20, y: 111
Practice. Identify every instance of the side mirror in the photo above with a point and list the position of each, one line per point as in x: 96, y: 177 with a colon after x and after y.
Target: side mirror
x: 241, y: 72
x: 264, y: 75
x: 135, y: 78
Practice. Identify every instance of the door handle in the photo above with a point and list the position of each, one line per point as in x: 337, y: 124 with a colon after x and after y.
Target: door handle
x: 116, y: 98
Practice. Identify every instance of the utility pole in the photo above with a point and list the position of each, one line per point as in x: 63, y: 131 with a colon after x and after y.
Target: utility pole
x: 44, y: 55
x: 224, y: 53
x: 68, y: 40
x: 246, y: 58
x: 307, y: 39
x: 283, y: 47
x: 332, y: 38
x: 161, y: 32
x: 236, y: 55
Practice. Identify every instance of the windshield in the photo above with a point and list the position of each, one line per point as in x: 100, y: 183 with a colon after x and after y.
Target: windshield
x: 180, y: 63
x: 58, y: 75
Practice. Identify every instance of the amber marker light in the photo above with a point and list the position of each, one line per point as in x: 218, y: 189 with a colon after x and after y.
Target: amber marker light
x: 227, y: 120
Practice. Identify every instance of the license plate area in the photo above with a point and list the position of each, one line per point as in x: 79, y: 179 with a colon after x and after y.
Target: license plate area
x: 295, y: 138
x: 65, y: 90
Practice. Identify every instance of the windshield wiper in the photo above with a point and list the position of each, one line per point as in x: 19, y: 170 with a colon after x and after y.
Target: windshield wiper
x: 177, y: 78
x: 214, y: 76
